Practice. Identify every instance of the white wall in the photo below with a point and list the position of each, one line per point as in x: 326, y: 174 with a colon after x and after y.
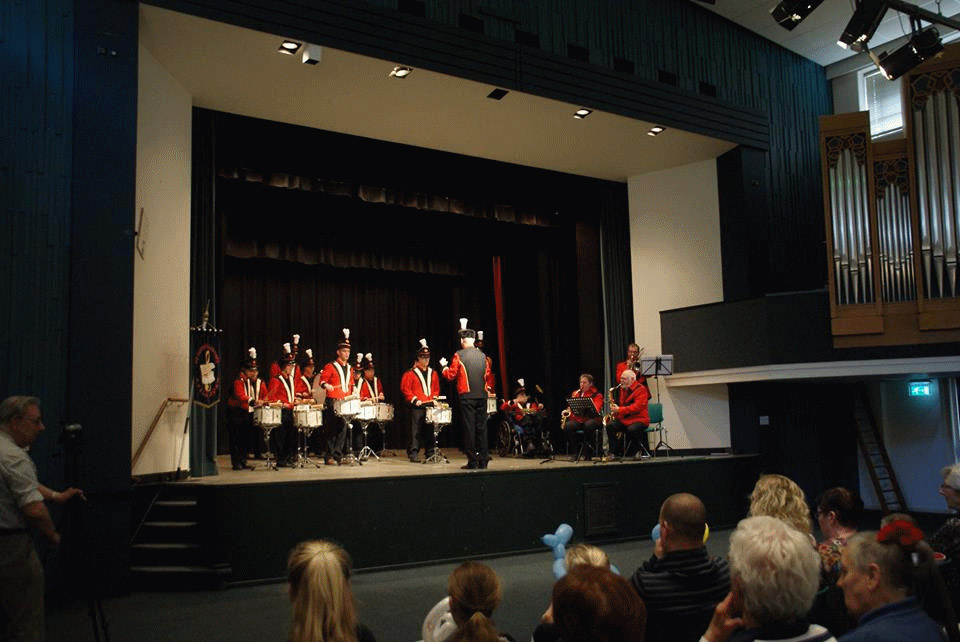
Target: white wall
x: 161, y: 307
x: 675, y: 246
x: 917, y: 433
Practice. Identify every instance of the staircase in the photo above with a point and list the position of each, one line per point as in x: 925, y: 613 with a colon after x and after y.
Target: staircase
x: 167, y: 552
x: 875, y: 456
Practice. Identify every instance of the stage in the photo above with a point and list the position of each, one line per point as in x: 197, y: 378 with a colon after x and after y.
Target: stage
x: 396, y: 513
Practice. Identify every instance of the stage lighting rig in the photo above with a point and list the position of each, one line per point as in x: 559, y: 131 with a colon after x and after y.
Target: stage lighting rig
x: 863, y: 24
x: 923, y: 44
x: 790, y: 13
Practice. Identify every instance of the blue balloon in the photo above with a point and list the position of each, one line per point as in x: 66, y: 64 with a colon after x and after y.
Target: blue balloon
x: 655, y: 533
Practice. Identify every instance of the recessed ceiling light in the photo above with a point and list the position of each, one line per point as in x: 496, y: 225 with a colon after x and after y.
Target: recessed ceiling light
x: 582, y: 113
x: 497, y: 94
x: 400, y: 72
x: 289, y: 47
x: 656, y: 129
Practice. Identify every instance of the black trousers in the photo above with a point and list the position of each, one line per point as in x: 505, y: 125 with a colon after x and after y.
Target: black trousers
x: 283, y: 437
x: 239, y: 429
x: 589, y: 429
x: 635, y: 433
x: 336, y: 429
x: 473, y: 412
x: 420, y: 432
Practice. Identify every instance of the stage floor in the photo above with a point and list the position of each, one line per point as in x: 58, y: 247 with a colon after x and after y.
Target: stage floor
x: 394, y: 463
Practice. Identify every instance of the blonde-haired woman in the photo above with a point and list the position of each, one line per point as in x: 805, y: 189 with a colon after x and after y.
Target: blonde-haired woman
x: 780, y: 497
x: 318, y: 574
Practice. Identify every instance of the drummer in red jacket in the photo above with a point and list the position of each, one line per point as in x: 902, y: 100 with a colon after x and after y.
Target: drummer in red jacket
x: 247, y: 393
x: 630, y: 415
x: 420, y: 385
x: 337, y: 379
x: 283, y: 390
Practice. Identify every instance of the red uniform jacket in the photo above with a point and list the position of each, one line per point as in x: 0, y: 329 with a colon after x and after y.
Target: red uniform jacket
x: 633, y: 405
x: 623, y: 366
x: 275, y: 370
x: 367, y: 388
x: 594, y: 395
x: 488, y: 376
x: 340, y: 376
x: 515, y: 410
x: 416, y: 383
x: 456, y: 371
x: 245, y: 394
x: 284, y: 389
x: 304, y: 388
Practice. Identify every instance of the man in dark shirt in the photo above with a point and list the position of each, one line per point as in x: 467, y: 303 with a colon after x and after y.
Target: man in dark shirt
x: 681, y: 584
x: 470, y: 369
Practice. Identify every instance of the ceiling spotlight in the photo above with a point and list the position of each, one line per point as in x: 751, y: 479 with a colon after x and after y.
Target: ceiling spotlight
x: 582, y: 113
x: 790, y: 13
x: 923, y: 44
x: 656, y: 129
x: 400, y: 72
x: 288, y: 47
x: 863, y: 23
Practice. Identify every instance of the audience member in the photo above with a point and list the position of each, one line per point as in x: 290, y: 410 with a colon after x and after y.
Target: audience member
x: 838, y: 511
x: 465, y: 614
x: 774, y: 577
x: 947, y: 538
x: 577, y: 554
x: 681, y: 584
x: 879, y: 575
x: 780, y: 497
x: 592, y: 604
x: 318, y: 573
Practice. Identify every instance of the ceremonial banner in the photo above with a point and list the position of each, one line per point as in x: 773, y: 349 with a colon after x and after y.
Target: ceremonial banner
x: 205, y: 346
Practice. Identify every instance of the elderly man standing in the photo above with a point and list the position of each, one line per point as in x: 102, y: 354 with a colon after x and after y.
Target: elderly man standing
x: 22, y: 508
x: 681, y: 584
x: 774, y: 574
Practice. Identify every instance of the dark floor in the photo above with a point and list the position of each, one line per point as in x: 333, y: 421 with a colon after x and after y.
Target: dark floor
x: 392, y: 603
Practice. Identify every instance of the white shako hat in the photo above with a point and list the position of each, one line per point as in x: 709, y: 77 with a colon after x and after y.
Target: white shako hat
x: 465, y: 332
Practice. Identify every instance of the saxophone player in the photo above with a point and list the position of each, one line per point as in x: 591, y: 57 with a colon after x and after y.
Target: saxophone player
x: 572, y: 424
x: 629, y: 415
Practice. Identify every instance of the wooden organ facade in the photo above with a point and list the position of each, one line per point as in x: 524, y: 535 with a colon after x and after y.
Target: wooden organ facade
x: 892, y: 216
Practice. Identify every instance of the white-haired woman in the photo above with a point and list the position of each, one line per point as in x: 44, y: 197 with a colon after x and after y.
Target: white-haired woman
x: 880, y: 573
x: 774, y: 575
x: 947, y: 538
x: 318, y: 573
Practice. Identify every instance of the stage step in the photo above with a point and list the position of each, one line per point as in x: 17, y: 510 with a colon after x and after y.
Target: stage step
x: 168, y: 551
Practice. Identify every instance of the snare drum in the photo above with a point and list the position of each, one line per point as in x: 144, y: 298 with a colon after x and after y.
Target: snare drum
x: 268, y: 416
x: 491, y: 405
x: 307, y: 416
x: 368, y: 412
x: 384, y: 412
x: 346, y: 407
x: 440, y: 415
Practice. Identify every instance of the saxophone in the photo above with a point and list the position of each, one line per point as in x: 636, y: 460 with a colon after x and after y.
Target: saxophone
x: 607, y: 418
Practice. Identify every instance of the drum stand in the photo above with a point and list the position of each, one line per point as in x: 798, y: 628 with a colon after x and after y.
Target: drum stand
x: 366, y: 451
x: 303, y: 437
x: 437, y: 457
x: 349, y: 458
x: 269, y: 462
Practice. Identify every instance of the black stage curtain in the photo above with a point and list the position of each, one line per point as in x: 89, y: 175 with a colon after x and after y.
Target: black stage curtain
x: 394, y: 269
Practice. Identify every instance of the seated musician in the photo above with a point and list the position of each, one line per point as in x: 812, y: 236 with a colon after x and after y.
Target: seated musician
x: 629, y: 415
x: 419, y: 385
x: 248, y: 392
x: 283, y: 389
x: 524, y: 414
x: 575, y: 423
x: 337, y: 379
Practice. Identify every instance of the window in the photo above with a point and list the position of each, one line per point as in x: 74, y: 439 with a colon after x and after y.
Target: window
x: 881, y: 97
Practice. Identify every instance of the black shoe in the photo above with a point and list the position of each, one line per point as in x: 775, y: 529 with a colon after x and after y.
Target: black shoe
x: 483, y: 466
x: 470, y: 466
x: 414, y: 457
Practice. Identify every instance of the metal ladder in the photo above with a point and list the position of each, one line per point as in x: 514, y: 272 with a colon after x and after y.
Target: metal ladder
x: 875, y: 456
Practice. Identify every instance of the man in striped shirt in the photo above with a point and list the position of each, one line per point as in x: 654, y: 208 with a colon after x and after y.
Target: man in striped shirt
x: 681, y: 584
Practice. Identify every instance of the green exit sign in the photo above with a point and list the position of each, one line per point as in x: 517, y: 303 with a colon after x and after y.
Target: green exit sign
x: 919, y: 388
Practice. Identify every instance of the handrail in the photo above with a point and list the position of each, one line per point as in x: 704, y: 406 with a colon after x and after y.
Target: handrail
x: 156, y: 420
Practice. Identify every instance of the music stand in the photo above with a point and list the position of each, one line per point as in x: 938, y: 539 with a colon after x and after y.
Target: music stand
x: 662, y: 364
x: 583, y: 407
